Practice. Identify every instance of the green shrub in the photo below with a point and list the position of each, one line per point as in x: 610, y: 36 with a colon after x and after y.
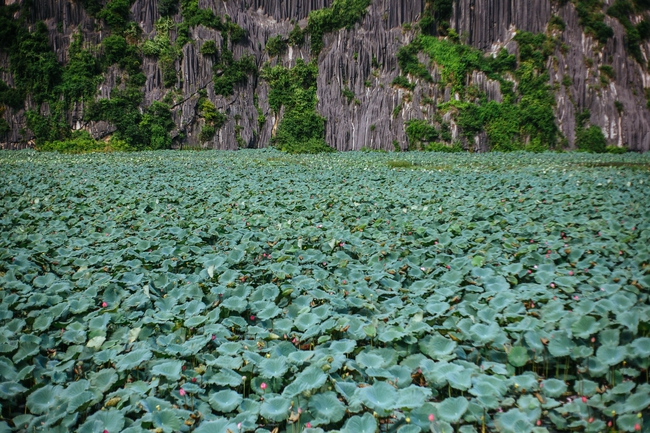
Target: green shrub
x: 82, y: 74
x: 616, y: 150
x: 4, y: 126
x: 116, y: 14
x: 593, y: 20
x: 348, y: 94
x: 230, y: 72
x: 35, y: 68
x: 10, y: 96
x: 302, y: 129
x: 207, y: 133
x: 443, y: 147
x: 342, y: 13
x: 167, y: 7
x: 608, y: 71
x: 209, y: 48
x: 419, y: 132
x: 556, y: 23
x: 296, y: 36
x: 403, y: 82
x: 276, y: 45
x: 408, y: 61
x: 591, y: 140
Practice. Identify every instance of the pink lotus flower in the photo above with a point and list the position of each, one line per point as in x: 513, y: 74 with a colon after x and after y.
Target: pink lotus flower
x: 182, y: 392
x: 584, y: 399
x: 104, y: 304
x: 576, y: 297
x: 553, y: 285
x: 539, y: 422
x: 308, y: 425
x: 591, y: 419
x: 252, y: 317
x: 214, y: 337
x: 570, y: 272
x: 637, y: 427
x: 431, y: 417
x: 263, y: 385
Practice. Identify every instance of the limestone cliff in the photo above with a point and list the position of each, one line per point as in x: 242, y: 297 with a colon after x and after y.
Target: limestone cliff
x: 357, y: 68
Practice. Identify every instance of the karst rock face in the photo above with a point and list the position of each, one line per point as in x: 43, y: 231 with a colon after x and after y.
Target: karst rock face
x: 362, y: 59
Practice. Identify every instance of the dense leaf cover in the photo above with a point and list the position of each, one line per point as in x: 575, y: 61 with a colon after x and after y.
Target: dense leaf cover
x: 251, y: 290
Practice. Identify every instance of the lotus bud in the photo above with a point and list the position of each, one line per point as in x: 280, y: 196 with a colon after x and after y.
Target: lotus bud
x: 539, y: 422
x: 613, y: 413
x: 182, y: 392
x: 408, y: 420
x: 639, y: 415
x: 431, y: 417
x: 637, y: 427
x: 263, y: 385
x: 584, y: 399
x: 104, y: 304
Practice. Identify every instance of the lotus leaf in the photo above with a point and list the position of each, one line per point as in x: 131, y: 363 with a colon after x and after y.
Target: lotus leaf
x: 327, y: 407
x: 275, y: 408
x: 518, y: 356
x: 360, y: 424
x: 437, y: 346
x: 225, y: 401
x: 514, y: 421
x: 553, y: 387
x: 452, y: 409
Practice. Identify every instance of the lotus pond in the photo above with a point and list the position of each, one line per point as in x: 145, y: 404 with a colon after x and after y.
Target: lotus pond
x: 253, y: 291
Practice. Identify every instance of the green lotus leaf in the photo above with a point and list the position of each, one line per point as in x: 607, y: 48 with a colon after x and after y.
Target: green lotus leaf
x: 110, y: 420
x: 275, y: 408
x: 637, y: 402
x: 380, y: 396
x: 225, y: 401
x: 43, y: 399
x: 170, y: 369
x: 409, y: 428
x: 306, y: 321
x: 585, y: 326
x: 596, y: 367
x: 514, y: 421
x: 228, y: 276
x: 624, y: 388
x: 560, y: 344
x: 132, y: 279
x: 437, y: 346
x: 518, y: 356
x: 166, y: 420
x: 11, y: 389
x: 103, y: 379
x: 226, y: 377
x: 273, y: 367
x: 342, y: 346
x: 370, y: 360
x: 326, y: 406
x: 133, y: 359
x: 585, y: 387
x: 77, y: 394
x: 195, y: 322
x: 310, y: 378
x: 45, y: 280
x: 452, y: 409
x: 641, y: 347
x: 360, y: 424
x: 627, y: 422
x: 484, y: 334
x: 553, y: 387
x: 218, y: 425
x: 96, y: 342
x: 413, y: 397
x: 235, y: 303
x: 611, y: 355
x: 496, y: 284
